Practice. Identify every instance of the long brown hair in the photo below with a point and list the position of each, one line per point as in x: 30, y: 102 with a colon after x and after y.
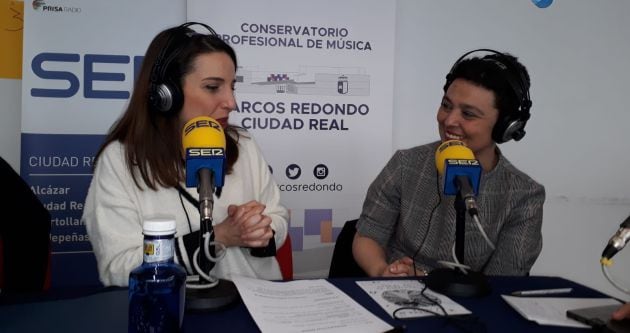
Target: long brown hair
x: 152, y: 141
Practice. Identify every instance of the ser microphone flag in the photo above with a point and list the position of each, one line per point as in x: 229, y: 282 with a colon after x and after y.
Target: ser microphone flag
x: 204, y: 144
x: 460, y: 172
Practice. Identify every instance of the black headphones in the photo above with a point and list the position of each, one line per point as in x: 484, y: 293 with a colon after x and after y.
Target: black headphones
x: 165, y: 93
x: 510, y: 125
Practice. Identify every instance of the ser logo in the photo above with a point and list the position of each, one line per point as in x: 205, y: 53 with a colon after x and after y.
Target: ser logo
x: 202, y: 123
x: 462, y: 162
x: 204, y: 152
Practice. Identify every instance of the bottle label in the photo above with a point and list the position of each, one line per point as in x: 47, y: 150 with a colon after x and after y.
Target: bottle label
x: 158, y: 250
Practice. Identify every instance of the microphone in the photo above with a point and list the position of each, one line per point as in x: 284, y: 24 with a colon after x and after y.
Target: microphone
x: 204, y: 143
x: 618, y: 240
x: 461, y: 172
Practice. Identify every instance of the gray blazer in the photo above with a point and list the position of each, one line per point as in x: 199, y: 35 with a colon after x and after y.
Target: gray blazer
x: 406, y: 212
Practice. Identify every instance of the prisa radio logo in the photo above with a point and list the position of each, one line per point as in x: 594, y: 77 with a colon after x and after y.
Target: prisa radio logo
x: 40, y: 5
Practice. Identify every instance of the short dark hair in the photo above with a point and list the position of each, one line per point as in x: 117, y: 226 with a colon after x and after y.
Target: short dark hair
x: 500, y: 73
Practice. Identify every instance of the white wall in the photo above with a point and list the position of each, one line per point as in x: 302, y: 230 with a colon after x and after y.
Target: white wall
x: 577, y: 55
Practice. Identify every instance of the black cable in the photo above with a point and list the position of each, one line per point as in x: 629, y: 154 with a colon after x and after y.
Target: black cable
x: 467, y: 323
x: 187, y: 195
x: 212, y: 251
x: 437, y: 188
x: 415, y: 309
x: 185, y: 211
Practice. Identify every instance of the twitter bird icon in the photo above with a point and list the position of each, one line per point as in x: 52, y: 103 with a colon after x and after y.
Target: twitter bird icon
x: 293, y: 171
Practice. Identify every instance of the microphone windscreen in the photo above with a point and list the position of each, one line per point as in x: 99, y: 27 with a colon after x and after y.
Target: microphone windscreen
x: 203, y: 132
x: 452, y: 149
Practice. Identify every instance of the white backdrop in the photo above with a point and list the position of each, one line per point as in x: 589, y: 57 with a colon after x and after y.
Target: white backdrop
x: 337, y: 58
x: 577, y: 55
x: 576, y: 51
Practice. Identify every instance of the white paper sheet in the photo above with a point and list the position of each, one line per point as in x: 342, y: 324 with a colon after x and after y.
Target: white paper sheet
x: 305, y: 306
x: 394, y: 294
x: 553, y: 310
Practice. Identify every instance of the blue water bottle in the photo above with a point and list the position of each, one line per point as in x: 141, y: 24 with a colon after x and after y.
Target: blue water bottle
x: 157, y: 288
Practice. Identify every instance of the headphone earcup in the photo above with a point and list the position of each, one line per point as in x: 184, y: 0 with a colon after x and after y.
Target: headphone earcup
x: 167, y: 98
x: 508, y: 128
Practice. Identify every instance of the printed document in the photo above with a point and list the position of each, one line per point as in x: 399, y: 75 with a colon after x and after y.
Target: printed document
x: 305, y: 306
x: 408, y: 298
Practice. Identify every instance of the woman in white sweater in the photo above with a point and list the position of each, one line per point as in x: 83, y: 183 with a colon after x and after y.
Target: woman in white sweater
x: 140, y: 170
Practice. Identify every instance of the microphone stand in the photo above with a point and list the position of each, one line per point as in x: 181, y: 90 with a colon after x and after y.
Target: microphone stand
x: 454, y: 282
x: 206, y: 296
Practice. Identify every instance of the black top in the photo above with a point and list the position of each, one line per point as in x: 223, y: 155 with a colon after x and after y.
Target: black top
x: 24, y: 237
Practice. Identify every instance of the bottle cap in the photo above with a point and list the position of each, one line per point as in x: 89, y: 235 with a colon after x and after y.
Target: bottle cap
x: 158, y: 226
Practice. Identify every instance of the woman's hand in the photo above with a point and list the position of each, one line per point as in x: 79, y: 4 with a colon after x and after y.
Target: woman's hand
x: 622, y: 313
x: 245, y: 226
x: 402, y: 267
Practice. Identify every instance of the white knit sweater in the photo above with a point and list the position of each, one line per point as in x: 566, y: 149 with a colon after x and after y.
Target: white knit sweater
x: 115, y: 208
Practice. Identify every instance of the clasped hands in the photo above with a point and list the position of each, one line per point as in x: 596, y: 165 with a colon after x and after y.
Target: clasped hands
x: 245, y: 226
